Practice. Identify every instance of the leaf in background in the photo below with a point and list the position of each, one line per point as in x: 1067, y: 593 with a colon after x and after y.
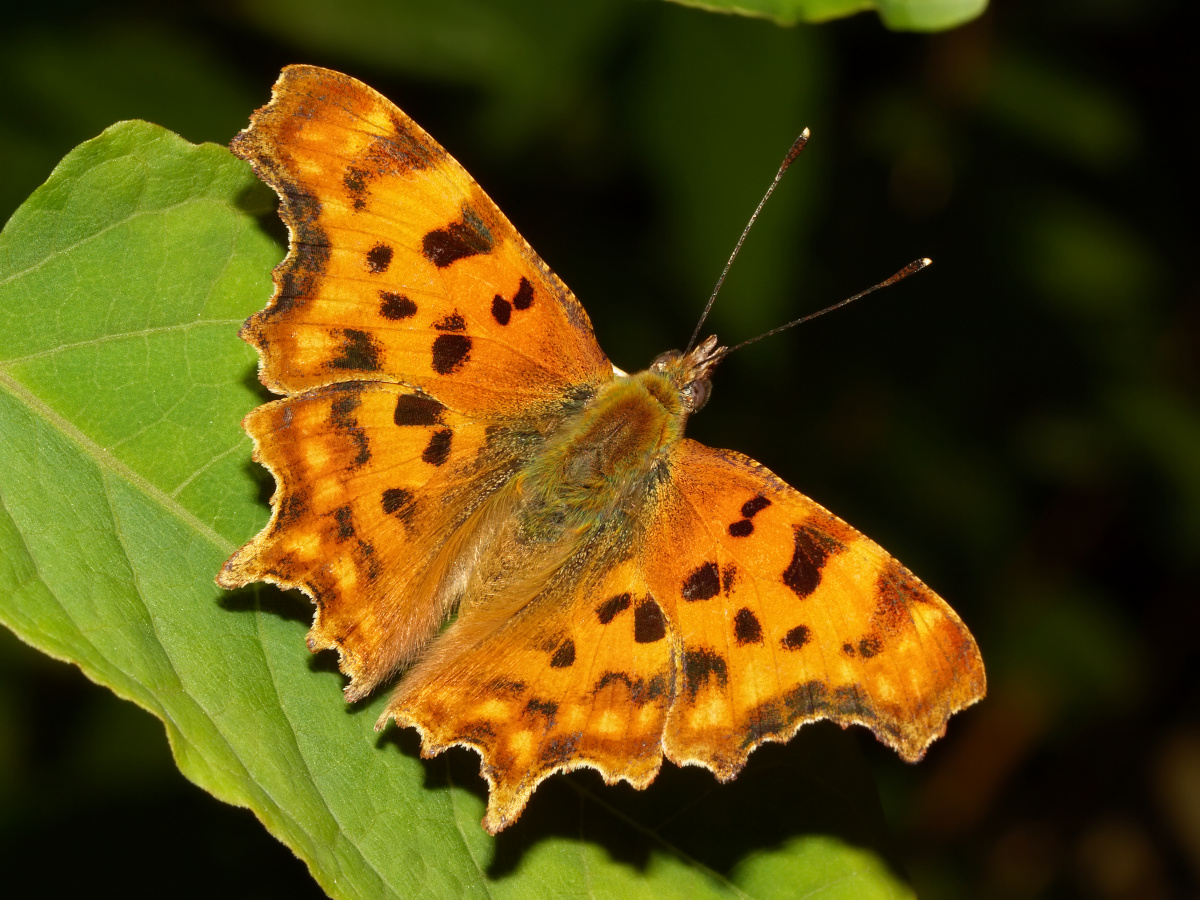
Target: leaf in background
x: 126, y: 484
x: 901, y: 15
x: 530, y: 58
x: 78, y: 76
x: 753, y: 88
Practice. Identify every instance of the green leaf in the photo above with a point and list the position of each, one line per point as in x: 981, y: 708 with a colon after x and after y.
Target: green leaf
x: 900, y: 15
x: 127, y: 482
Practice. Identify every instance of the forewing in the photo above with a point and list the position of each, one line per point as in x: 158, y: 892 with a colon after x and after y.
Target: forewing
x: 400, y: 267
x: 788, y: 615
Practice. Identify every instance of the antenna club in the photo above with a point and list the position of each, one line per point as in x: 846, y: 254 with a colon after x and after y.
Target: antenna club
x: 911, y: 269
x: 797, y: 146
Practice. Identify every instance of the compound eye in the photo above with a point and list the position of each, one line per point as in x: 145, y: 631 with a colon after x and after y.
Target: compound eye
x: 664, y: 359
x: 695, y: 395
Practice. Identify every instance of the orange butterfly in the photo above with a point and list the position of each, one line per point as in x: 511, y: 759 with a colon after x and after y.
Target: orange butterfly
x: 453, y: 443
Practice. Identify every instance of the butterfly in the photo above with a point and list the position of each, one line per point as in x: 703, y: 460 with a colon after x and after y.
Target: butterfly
x: 452, y: 445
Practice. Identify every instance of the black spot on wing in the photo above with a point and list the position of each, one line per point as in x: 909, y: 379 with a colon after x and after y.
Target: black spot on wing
x: 379, y: 258
x: 452, y: 322
x: 458, y: 240
x: 796, y: 638
x: 355, y: 181
x: 653, y: 689
x: 746, y: 628
x: 870, y: 646
x: 437, y: 451
x: 703, y: 584
x: 608, y: 610
x: 811, y: 550
x: 450, y: 352
x: 341, y: 417
x: 560, y: 750
x: 640, y: 690
x: 700, y: 666
x: 395, y: 306
x: 367, y: 559
x: 345, y: 522
x: 547, y: 709
x: 743, y: 527
x: 398, y: 502
x: 418, y: 410
x: 754, y: 506
x: 480, y: 733
x: 523, y: 298
x: 564, y: 656
x: 649, y: 624
x: 501, y: 310
x: 772, y: 717
x: 292, y: 508
x: 386, y: 155
x: 341, y: 411
x: 359, y: 352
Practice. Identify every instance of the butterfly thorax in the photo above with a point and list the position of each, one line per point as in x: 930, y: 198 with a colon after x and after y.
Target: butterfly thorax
x: 601, y: 461
x: 605, y: 459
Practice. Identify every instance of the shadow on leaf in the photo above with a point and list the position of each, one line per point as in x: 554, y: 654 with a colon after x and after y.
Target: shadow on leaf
x: 259, y: 201
x: 290, y: 605
x: 251, y: 382
x: 816, y: 785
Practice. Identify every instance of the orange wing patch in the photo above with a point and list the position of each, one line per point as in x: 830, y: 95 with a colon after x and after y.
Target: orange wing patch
x: 364, y: 468
x: 580, y: 676
x: 401, y: 268
x: 789, y: 615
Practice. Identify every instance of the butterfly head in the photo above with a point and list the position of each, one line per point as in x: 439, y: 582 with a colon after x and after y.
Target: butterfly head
x: 691, y: 373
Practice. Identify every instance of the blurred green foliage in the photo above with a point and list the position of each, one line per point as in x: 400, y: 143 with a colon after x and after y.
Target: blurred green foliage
x: 1020, y: 424
x: 913, y: 15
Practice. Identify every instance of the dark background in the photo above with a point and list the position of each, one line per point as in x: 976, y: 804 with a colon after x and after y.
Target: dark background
x: 1020, y: 424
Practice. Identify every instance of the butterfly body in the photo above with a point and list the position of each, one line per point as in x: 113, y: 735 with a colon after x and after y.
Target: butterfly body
x: 604, y: 463
x: 452, y: 443
x: 601, y: 461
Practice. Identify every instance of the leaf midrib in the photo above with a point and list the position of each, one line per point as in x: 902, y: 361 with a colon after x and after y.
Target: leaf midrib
x: 101, y: 340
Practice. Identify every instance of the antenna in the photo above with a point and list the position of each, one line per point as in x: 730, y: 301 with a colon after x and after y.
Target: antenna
x: 790, y: 158
x: 911, y: 269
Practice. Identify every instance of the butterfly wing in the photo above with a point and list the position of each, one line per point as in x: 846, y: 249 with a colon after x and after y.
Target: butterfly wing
x: 582, y: 675
x: 427, y: 353
x: 424, y: 346
x: 377, y: 489
x: 400, y: 267
x: 787, y: 615
x: 746, y: 611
